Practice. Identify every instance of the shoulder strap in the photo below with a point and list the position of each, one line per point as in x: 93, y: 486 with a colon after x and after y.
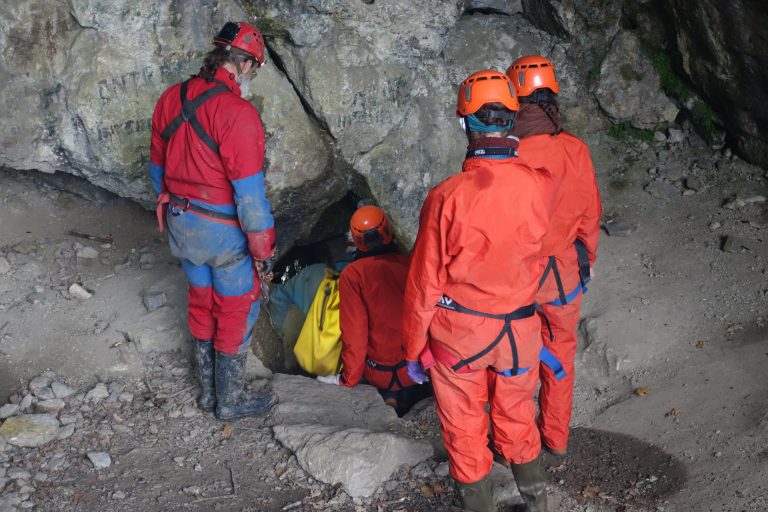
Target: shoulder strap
x: 188, y: 110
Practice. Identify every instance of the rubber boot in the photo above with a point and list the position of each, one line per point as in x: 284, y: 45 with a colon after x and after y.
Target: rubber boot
x: 204, y: 362
x: 531, y: 479
x: 477, y: 496
x: 232, y: 401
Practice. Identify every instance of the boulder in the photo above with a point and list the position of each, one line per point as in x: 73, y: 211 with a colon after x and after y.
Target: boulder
x: 629, y: 89
x: 359, y: 459
x: 382, y: 79
x: 80, y: 83
x: 304, y: 400
x: 30, y: 430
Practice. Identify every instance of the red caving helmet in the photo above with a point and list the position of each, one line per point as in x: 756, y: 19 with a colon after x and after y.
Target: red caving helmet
x: 243, y: 36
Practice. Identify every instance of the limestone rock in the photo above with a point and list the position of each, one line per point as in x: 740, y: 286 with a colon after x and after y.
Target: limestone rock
x: 79, y: 292
x: 30, y: 430
x: 508, y: 7
x: 360, y: 459
x: 662, y: 190
x: 98, y: 393
x: 8, y: 410
x: 629, y: 88
x: 53, y: 405
x: 61, y: 390
x: 40, y: 382
x: 4, y: 265
x: 304, y: 400
x: 100, y: 460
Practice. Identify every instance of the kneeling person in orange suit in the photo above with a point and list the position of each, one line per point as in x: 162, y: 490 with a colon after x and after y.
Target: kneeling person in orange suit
x: 371, y: 303
x: 570, y: 243
x: 469, y: 299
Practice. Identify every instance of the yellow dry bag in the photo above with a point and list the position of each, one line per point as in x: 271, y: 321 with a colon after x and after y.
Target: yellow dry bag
x: 318, y: 349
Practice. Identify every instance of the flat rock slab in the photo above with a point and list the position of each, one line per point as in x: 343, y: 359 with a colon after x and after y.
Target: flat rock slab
x: 304, y: 400
x: 30, y: 430
x: 359, y: 459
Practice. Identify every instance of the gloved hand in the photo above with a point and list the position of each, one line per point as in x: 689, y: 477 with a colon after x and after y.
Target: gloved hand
x: 261, y: 244
x: 264, y: 268
x: 416, y: 372
x: 330, y: 379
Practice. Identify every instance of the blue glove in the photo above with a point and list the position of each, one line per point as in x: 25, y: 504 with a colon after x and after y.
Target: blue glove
x: 417, y: 373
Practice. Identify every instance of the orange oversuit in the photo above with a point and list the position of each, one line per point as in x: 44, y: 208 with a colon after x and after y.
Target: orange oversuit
x: 576, y: 216
x: 478, y: 246
x: 371, y: 292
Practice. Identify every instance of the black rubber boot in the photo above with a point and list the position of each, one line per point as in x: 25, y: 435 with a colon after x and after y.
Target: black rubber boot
x: 531, y: 479
x: 204, y: 362
x: 232, y: 401
x: 477, y: 496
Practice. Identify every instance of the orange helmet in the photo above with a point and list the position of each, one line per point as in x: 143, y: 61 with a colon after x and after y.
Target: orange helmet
x: 483, y: 87
x: 533, y: 72
x: 370, y: 228
x: 243, y: 36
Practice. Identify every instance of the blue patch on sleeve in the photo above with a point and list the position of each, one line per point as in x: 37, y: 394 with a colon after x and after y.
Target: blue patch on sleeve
x: 253, y: 207
x: 156, y: 175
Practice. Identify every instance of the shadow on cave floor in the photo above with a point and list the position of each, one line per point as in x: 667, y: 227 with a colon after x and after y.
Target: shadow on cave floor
x: 609, y: 467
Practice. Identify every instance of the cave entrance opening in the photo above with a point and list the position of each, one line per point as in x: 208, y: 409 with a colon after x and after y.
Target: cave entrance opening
x: 328, y: 246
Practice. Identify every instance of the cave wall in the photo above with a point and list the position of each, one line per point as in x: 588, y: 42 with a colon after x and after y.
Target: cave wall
x: 357, y: 94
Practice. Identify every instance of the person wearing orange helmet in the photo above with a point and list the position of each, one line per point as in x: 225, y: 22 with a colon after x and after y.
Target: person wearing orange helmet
x: 571, y: 242
x: 468, y: 315
x: 206, y: 161
x: 371, y: 302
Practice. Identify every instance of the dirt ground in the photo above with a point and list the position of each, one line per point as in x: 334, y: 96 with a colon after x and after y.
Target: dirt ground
x: 671, y: 402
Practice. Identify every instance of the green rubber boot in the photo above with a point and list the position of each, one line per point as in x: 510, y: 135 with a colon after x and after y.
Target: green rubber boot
x: 477, y: 496
x: 531, y: 479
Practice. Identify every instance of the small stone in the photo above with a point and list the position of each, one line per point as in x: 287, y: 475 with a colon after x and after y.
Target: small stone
x: 26, y: 489
x: 98, y: 393
x: 79, y: 292
x: 45, y: 394
x: 40, y: 382
x: 178, y: 372
x: 87, y: 253
x: 36, y: 297
x: 147, y: 258
x: 619, y: 228
x: 731, y: 244
x: 61, y: 390
x: 125, y: 397
x: 3, y: 447
x: 115, y: 388
x: 198, y: 467
x: 27, y: 402
x: 693, y: 183
x: 8, y: 410
x: 192, y: 490
x: 5, y: 267
x: 67, y: 419
x: 41, y: 477
x: 714, y: 226
x: 30, y: 430
x: 676, y: 136
x: 19, y: 474
x: 100, y: 460
x: 718, y: 454
x: 688, y: 192
x: 442, y: 470
x: 190, y: 411
x: 118, y: 495
x: 174, y: 413
x: 662, y: 190
x: 65, y: 432
x: 659, y: 137
x: 51, y: 406
x: 153, y: 302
